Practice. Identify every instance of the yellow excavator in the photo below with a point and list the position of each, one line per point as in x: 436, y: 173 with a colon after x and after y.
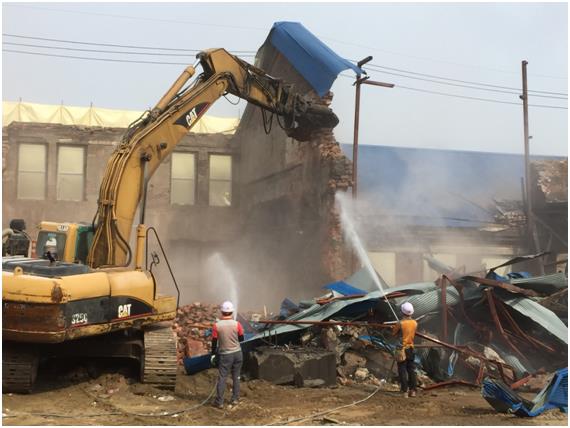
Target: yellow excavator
x: 82, y: 296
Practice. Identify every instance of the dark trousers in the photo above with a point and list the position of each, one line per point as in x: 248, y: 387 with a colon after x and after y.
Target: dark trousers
x: 229, y: 363
x: 407, y: 372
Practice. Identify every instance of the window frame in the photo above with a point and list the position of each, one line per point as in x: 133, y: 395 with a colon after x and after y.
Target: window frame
x: 194, y: 179
x: 230, y: 180
x: 45, y: 172
x: 83, y: 172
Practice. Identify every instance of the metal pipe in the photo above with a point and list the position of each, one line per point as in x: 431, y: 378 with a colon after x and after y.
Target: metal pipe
x: 449, y: 383
x: 534, y: 342
x: 506, y: 286
x: 495, y: 318
x: 327, y: 323
x: 374, y: 83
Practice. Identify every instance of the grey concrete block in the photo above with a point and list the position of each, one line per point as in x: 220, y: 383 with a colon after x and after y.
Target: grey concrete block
x: 301, y: 367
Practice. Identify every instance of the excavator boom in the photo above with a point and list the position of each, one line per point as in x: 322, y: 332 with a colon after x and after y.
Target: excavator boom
x: 150, y: 140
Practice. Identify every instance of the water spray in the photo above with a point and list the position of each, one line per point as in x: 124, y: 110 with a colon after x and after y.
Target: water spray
x: 354, y: 238
x: 227, y: 283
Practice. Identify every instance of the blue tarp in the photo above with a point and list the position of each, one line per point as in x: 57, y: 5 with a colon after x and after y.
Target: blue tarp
x: 314, y: 60
x: 343, y: 288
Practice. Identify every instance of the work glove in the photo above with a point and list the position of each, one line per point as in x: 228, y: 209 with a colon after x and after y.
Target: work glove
x: 214, y: 360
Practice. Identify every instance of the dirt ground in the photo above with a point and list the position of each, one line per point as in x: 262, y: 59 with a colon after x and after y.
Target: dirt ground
x: 75, y: 398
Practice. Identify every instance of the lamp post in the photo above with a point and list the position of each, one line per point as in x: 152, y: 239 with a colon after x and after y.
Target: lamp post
x: 359, y: 81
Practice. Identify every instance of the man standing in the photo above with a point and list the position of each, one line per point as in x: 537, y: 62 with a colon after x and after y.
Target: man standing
x: 226, y: 336
x: 407, y: 367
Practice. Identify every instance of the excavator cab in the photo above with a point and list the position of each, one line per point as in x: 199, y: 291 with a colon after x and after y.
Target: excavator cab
x: 66, y: 242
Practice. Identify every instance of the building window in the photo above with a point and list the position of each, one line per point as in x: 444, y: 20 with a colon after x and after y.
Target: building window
x: 32, y: 171
x: 220, y: 180
x: 70, y: 173
x: 183, y: 179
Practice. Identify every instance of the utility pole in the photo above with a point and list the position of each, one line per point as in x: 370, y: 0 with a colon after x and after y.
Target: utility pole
x: 533, y: 242
x: 524, y: 98
x: 359, y: 81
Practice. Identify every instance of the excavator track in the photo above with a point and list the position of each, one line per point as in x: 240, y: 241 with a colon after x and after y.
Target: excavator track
x: 19, y: 369
x: 159, y: 365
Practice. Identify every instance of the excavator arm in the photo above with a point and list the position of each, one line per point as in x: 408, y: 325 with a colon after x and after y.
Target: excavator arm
x: 148, y: 141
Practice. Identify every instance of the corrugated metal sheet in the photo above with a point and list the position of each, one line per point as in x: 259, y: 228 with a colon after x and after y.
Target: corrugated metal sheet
x: 414, y: 288
x: 547, y: 283
x: 431, y: 301
x: 540, y: 315
x: 320, y: 313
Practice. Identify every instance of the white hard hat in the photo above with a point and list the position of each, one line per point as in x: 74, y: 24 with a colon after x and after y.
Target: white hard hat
x: 227, y: 307
x: 407, y: 308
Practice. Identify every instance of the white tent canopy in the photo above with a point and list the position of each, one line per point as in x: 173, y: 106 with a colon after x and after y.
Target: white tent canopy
x: 95, y: 116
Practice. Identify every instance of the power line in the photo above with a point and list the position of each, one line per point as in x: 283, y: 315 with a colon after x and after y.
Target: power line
x: 344, y: 75
x: 112, y: 45
x: 467, y: 86
x: 94, y: 59
x: 246, y: 53
x: 95, y: 50
x: 438, y: 60
x: 466, y: 96
x: 461, y: 81
x: 101, y: 50
x: 478, y: 98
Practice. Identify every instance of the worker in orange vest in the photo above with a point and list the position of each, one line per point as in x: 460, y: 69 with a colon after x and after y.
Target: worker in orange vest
x: 406, y: 364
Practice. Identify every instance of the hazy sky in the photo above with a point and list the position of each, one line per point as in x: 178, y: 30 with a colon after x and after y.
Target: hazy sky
x: 470, y: 42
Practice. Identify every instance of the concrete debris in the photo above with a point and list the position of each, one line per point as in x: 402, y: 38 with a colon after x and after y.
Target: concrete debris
x: 352, y: 362
x: 166, y: 398
x: 300, y: 367
x: 361, y: 373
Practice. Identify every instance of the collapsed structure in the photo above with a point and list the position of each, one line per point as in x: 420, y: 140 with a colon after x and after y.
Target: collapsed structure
x: 471, y: 328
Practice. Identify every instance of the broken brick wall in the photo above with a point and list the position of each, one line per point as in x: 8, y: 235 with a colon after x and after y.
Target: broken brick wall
x: 291, y: 243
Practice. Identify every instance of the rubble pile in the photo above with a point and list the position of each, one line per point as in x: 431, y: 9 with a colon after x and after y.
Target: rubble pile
x: 191, y: 327
x: 488, y: 326
x: 485, y: 331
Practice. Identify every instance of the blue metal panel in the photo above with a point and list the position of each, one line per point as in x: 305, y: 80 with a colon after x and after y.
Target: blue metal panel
x: 343, y: 288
